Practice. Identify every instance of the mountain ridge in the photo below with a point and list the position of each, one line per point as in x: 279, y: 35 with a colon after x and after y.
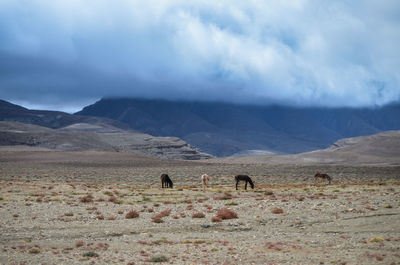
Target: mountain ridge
x: 223, y: 129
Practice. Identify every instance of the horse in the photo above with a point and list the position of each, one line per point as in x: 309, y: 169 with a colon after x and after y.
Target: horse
x: 244, y: 178
x: 204, y: 181
x: 166, y: 182
x: 323, y: 176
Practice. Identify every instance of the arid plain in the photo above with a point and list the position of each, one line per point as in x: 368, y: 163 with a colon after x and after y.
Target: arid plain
x: 108, y: 208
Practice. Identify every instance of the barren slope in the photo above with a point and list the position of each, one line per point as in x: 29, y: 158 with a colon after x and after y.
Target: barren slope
x: 381, y: 148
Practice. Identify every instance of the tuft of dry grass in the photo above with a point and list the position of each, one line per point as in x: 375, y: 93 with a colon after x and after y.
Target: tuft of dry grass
x: 114, y: 200
x: 79, y: 243
x: 376, y: 239
x: 216, y: 219
x: 100, y: 217
x: 198, y: 215
x: 226, y: 214
x: 268, y: 192
x: 165, y: 213
x: 157, y: 219
x: 277, y: 210
x: 87, y: 198
x: 34, y: 250
x: 132, y: 214
x: 225, y: 196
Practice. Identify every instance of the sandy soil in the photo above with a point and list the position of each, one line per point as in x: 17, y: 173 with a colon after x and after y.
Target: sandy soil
x: 71, y: 207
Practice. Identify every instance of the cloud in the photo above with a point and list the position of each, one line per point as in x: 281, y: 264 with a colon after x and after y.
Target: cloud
x: 304, y: 52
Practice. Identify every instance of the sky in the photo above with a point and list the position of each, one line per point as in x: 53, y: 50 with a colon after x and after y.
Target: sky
x: 67, y: 54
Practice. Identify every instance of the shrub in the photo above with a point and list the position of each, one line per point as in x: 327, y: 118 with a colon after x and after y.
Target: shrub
x: 113, y: 199
x: 157, y: 219
x: 225, y: 196
x: 34, y: 250
x: 376, y: 239
x: 159, y: 259
x: 198, y: 215
x: 277, y: 211
x: 268, y: 192
x: 100, y: 217
x: 132, y: 214
x: 90, y: 254
x: 165, y: 213
x: 87, y: 198
x: 79, y: 243
x: 216, y: 219
x: 69, y: 214
x: 225, y: 214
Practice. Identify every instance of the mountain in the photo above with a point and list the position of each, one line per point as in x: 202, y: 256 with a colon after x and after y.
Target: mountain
x: 50, y: 119
x: 381, y: 148
x: 224, y: 129
x: 83, y: 136
x: 63, y: 131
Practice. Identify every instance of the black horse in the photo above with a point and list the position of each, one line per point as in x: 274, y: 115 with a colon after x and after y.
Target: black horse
x: 166, y: 182
x: 244, y: 178
x: 323, y: 176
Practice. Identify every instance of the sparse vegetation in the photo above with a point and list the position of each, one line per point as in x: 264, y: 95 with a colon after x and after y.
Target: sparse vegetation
x: 87, y: 198
x: 160, y: 258
x: 170, y: 229
x: 198, y: 215
x: 226, y: 214
x: 277, y: 210
x: 34, y: 250
x: 90, y: 254
x: 79, y: 244
x: 132, y: 214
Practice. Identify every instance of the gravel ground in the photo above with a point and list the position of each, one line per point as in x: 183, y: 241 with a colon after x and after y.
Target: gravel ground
x: 59, y: 208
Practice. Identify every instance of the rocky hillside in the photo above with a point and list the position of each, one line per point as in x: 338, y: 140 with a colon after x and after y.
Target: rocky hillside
x: 63, y: 131
x: 225, y: 129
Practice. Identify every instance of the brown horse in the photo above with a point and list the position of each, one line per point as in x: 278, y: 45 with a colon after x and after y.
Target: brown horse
x: 166, y: 182
x: 244, y: 178
x: 323, y: 176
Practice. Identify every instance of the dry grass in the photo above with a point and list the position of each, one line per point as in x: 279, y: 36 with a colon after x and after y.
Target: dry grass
x: 216, y: 219
x: 79, y: 244
x: 277, y: 210
x: 132, y: 214
x: 87, y: 198
x: 226, y: 214
x: 198, y: 215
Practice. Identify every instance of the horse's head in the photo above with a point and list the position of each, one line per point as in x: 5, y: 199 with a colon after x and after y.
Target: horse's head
x: 252, y: 185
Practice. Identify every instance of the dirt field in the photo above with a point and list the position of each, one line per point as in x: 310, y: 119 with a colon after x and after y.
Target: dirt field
x: 74, y: 208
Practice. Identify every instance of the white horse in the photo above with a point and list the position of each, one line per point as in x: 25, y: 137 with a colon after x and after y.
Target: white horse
x: 204, y: 181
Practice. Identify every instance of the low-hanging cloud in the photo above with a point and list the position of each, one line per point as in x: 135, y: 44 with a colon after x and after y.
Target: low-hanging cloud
x: 303, y: 52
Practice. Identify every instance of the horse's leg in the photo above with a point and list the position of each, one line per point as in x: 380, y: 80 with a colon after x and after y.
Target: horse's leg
x: 245, y: 185
x: 237, y: 182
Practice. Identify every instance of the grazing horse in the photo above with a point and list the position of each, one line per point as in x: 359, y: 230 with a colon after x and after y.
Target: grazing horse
x: 244, y: 178
x: 204, y: 181
x: 323, y: 176
x: 166, y: 182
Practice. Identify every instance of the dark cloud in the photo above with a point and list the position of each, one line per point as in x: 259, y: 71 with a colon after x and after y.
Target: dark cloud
x: 70, y: 53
